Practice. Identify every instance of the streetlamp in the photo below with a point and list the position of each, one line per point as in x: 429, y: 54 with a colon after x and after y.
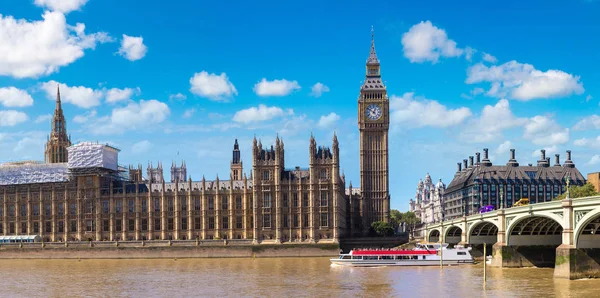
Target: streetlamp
x: 567, y: 178
x: 501, y: 196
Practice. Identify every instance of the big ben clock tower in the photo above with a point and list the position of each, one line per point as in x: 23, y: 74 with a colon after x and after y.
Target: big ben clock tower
x: 373, y: 124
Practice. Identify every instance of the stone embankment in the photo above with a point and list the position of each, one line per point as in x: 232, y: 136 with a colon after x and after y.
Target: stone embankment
x: 163, y: 250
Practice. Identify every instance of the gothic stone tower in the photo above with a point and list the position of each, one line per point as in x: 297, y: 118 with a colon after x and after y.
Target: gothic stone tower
x: 58, y: 141
x: 236, y: 165
x: 373, y: 124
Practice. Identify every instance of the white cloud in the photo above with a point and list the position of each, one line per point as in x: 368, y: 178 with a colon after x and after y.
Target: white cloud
x: 276, y: 87
x: 12, y: 118
x: 295, y: 125
x: 318, y: 89
x: 328, y: 121
x: 473, y: 93
x: 133, y: 48
x: 31, y: 49
x: 590, y: 122
x: 28, y: 142
x: 543, y: 130
x: 425, y: 42
x: 212, y: 86
x: 259, y: 114
x: 524, y: 82
x: 585, y: 142
x: 189, y: 113
x: 13, y: 97
x: 410, y: 111
x: 43, y: 118
x: 469, y: 52
x: 594, y: 160
x: 493, y: 120
x: 141, y: 147
x: 64, y: 6
x: 115, y: 94
x: 85, y: 117
x: 489, y: 58
x: 588, y: 98
x: 80, y: 96
x: 136, y: 115
x: 504, y: 147
x: 177, y: 96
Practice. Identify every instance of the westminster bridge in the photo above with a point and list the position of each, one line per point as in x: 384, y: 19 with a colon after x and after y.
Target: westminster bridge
x: 562, y: 233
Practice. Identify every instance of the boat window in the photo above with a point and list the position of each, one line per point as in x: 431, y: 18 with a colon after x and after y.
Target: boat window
x: 387, y: 257
x: 414, y: 258
x: 429, y: 246
x: 461, y: 253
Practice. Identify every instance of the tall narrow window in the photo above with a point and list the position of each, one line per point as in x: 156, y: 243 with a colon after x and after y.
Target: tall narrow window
x: 267, y: 200
x: 266, y: 220
x: 224, y: 203
x: 238, y: 203
x: 211, y: 203
x: 324, y: 199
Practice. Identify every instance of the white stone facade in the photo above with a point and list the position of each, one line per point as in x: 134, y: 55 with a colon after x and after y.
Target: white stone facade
x: 428, y: 204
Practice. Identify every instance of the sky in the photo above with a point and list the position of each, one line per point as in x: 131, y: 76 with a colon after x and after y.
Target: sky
x: 182, y: 80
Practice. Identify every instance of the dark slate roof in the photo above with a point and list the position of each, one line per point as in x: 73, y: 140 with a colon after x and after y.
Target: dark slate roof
x: 517, y: 175
x: 373, y: 83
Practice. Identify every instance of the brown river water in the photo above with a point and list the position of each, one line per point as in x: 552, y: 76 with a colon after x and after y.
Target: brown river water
x: 277, y: 277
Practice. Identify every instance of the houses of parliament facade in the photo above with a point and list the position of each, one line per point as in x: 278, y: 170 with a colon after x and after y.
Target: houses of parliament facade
x: 80, y: 193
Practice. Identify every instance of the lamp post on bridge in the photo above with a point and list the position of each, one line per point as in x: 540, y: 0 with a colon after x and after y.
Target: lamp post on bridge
x: 501, y: 196
x: 567, y: 178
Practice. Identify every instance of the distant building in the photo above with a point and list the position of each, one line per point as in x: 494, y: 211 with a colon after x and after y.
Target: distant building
x: 594, y: 179
x: 480, y: 183
x: 428, y: 204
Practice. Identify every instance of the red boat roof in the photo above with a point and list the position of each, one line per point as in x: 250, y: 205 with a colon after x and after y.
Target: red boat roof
x: 363, y: 252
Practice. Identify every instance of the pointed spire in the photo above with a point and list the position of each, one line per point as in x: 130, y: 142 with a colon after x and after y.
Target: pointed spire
x: 58, y: 104
x: 335, y: 139
x: 372, y: 60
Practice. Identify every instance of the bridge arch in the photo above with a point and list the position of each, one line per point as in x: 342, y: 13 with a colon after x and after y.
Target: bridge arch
x: 453, y: 234
x: 538, y: 229
x: 587, y: 230
x: 433, y: 236
x: 482, y: 231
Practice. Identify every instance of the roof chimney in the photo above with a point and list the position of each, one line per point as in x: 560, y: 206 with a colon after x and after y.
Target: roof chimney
x: 464, y: 164
x: 477, y: 158
x: 459, y: 166
x: 512, y: 162
x: 543, y: 162
x: 486, y: 162
x: 470, y: 161
x: 569, y: 163
x: 557, y: 160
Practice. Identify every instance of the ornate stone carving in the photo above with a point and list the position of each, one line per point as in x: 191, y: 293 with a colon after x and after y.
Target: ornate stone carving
x: 508, y: 220
x: 559, y: 214
x: 579, y: 215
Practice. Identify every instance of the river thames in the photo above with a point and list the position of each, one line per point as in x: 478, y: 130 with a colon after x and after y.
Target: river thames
x: 277, y: 277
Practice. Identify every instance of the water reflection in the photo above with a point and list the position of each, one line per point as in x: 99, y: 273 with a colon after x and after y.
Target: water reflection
x: 302, y: 277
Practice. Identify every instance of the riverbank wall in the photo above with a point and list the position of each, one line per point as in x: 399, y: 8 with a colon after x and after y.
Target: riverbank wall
x: 163, y: 250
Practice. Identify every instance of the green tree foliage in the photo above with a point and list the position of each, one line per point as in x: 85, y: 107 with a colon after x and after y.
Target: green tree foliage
x: 395, y: 218
x: 586, y: 190
x: 382, y: 228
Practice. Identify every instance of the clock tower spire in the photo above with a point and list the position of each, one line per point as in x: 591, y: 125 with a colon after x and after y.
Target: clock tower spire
x: 373, y: 125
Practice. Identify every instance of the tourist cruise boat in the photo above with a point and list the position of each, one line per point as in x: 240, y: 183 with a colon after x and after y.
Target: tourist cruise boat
x: 422, y: 255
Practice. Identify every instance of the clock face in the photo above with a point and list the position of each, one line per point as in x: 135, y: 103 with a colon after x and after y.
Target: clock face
x: 373, y: 112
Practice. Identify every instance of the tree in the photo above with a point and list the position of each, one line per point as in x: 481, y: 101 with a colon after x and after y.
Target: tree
x: 411, y: 219
x: 382, y: 228
x: 395, y: 218
x: 586, y: 190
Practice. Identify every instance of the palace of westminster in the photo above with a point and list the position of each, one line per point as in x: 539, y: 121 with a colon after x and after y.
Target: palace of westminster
x: 81, y: 193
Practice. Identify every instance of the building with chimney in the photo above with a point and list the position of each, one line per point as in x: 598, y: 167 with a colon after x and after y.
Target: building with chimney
x: 478, y: 183
x: 428, y: 204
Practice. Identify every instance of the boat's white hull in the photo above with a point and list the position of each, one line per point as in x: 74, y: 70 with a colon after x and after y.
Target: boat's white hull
x: 375, y: 263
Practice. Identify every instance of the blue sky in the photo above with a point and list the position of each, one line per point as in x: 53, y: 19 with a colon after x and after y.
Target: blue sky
x: 183, y: 79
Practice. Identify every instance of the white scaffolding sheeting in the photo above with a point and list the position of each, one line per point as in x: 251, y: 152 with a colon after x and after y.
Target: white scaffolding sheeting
x: 33, y: 173
x: 92, y: 155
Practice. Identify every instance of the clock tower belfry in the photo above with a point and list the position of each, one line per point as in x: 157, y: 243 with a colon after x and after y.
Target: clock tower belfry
x: 373, y: 124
